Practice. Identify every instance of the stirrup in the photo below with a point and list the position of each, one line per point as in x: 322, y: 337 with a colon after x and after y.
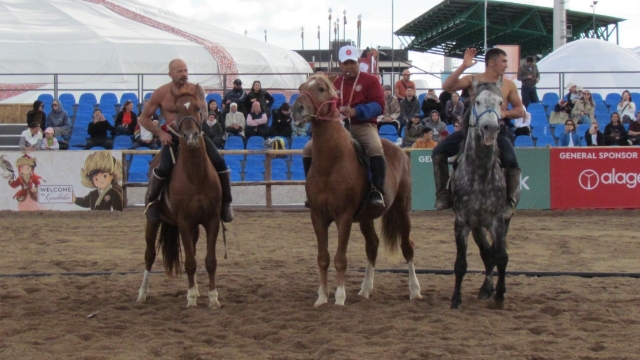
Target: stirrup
x: 374, y: 190
x: 509, y: 210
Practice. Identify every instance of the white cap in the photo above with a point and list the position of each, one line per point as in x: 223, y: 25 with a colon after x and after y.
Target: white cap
x: 348, y: 53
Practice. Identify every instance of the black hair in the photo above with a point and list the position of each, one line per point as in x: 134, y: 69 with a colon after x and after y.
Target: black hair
x: 426, y: 130
x: 493, y: 54
x: 530, y: 59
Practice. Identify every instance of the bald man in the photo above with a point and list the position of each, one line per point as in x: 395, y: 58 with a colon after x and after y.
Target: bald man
x: 163, y: 100
x: 403, y: 84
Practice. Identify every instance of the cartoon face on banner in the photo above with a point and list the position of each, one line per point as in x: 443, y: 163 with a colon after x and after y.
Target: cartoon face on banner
x: 25, y: 179
x: 103, y: 173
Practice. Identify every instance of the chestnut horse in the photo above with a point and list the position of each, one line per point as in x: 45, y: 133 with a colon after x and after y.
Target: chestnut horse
x: 336, y: 184
x: 192, y: 198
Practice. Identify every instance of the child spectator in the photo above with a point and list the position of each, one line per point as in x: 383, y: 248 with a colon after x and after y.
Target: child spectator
x: 426, y: 141
x: 299, y: 128
x: 281, y: 125
x: 49, y: 142
x: 213, y: 130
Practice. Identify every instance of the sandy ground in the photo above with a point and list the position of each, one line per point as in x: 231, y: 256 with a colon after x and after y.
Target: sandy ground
x: 268, y: 286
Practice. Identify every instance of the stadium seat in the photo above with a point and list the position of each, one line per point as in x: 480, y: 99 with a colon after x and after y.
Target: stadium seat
x: 537, y: 131
x: 279, y: 175
x: 539, y: 120
x: 299, y: 142
x: 235, y: 176
x: 278, y: 165
x: 254, y: 164
x: 600, y: 105
x: 392, y: 138
x: 98, y: 148
x: 558, y: 131
x: 612, y: 99
x: 216, y: 97
x: 297, y: 175
x: 234, y: 165
x: 88, y: 98
x: 545, y: 140
x: 108, y: 103
x: 147, y: 96
x: 582, y: 128
x: 536, y: 108
x: 549, y: 100
x: 134, y: 99
x: 388, y: 129
x: 293, y: 98
x: 278, y: 98
x: 596, y: 97
x: 68, y: 102
x: 138, y: 176
x: 253, y: 176
x: 255, y: 143
x: 523, y: 141
x: 635, y: 97
x: 122, y: 142
x: 46, y: 99
x: 234, y: 143
x: 296, y: 164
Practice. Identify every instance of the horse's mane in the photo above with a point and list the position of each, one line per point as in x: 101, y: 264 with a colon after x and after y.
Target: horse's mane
x: 326, y: 82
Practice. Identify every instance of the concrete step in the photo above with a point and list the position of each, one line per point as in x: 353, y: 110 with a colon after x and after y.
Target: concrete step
x: 12, y: 129
x: 11, y: 140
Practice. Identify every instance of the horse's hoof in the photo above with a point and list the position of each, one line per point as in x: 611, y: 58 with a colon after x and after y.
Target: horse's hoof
x: 320, y: 302
x: 141, y: 298
x: 455, y: 306
x: 498, y: 302
x: 192, y: 304
x: 485, y: 294
x: 213, y: 299
x: 415, y: 296
x: 341, y: 296
x: 364, y: 293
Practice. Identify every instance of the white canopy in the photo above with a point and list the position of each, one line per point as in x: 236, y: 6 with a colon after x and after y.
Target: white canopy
x: 590, y: 55
x: 127, y: 37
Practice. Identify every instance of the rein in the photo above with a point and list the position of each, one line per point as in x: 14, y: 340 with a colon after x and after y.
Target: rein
x: 332, y: 105
x: 476, y: 116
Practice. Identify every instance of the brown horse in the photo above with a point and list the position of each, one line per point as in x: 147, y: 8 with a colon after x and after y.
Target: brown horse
x: 193, y: 197
x: 337, y: 183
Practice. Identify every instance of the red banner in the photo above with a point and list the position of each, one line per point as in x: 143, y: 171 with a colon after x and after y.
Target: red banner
x: 605, y: 178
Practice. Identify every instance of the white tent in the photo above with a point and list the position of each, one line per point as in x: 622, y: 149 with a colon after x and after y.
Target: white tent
x: 127, y: 37
x: 599, y: 61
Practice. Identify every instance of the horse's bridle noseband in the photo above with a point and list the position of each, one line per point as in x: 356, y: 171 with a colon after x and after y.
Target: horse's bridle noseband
x: 476, y: 116
x: 332, y: 105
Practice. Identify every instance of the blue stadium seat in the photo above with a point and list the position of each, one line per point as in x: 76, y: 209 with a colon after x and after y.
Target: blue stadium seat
x: 278, y: 98
x: 234, y: 165
x: 299, y: 142
x: 296, y: 164
x: 130, y: 96
x: 612, y: 99
x: 545, y: 140
x: 600, y: 105
x: 254, y: 164
x: 46, y: 99
x: 557, y: 132
x: 538, y: 119
x: 279, y: 175
x: 524, y: 141
x: 388, y: 129
x: 138, y: 176
x: 68, y: 102
x: 550, y: 100
x: 255, y: 143
x: 278, y: 165
x: 596, y: 97
x: 95, y: 148
x: 582, y: 128
x: 147, y: 96
x: 235, y: 176
x: 88, y: 98
x: 216, y: 97
x: 293, y: 98
x: 392, y: 138
x: 635, y: 97
x: 297, y: 175
x: 78, y: 140
x: 450, y: 128
x: 122, y: 142
x: 253, y: 176
x: 537, y: 131
x: 234, y: 143
x: 107, y: 104
x: 626, y: 126
x: 536, y: 108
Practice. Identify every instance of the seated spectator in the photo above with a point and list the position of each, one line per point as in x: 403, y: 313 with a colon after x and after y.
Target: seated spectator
x: 457, y: 126
x: 257, y: 122
x: 235, y: 121
x: 49, y: 142
x: 626, y: 107
x: 391, y: 110
x: 257, y: 93
x: 564, y: 107
x: 31, y: 139
x: 97, y: 131
x: 402, y: 86
x: 633, y: 135
x: 426, y: 141
x: 281, y: 124
x: 299, y: 128
x: 213, y: 130
x: 126, y: 120
x: 58, y: 119
x: 408, y: 106
x: 436, y: 124
x: 454, y: 108
x: 569, y: 137
x: 413, y: 131
x: 37, y: 115
x: 523, y: 125
x: 593, y: 136
x: 431, y: 102
x: 465, y: 98
x: 614, y: 132
x: 443, y: 134
x: 237, y: 96
x: 212, y: 105
x: 584, y: 109
x: 145, y: 138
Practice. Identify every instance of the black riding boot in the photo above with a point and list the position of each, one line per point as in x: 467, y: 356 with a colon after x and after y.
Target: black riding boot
x: 378, y: 173
x: 441, y: 177
x: 225, y: 182
x: 513, y: 192
x: 306, y: 163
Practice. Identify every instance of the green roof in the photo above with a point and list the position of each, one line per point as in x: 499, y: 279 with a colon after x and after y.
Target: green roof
x: 455, y: 25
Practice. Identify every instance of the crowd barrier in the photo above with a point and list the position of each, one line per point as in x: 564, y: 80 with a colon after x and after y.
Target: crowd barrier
x: 555, y: 178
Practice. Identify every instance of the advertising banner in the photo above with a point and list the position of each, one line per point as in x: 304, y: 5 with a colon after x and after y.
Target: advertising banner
x: 423, y: 189
x: 61, y: 180
x: 605, y: 177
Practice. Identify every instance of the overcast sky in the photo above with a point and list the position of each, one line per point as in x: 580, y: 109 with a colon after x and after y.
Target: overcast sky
x: 283, y: 19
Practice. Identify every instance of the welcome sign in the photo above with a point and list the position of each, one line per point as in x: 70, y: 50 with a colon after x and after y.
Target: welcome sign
x: 55, y: 194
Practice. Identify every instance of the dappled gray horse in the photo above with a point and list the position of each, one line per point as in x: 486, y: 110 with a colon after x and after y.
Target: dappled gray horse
x: 478, y: 190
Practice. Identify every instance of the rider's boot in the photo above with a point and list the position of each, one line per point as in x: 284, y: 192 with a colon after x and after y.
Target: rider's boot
x: 156, y: 183
x: 225, y: 182
x: 306, y: 163
x: 513, y: 192
x: 441, y: 177
x: 378, y: 174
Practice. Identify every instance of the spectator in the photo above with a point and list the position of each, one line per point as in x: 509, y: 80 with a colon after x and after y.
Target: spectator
x: 281, y: 124
x: 457, y: 126
x: 58, y: 119
x: 213, y: 130
x: 443, y: 134
x: 614, y: 132
x: 626, y: 107
x: 454, y: 109
x: 97, y: 131
x: 593, y: 136
x: 126, y: 120
x: 444, y: 98
x: 235, y: 121
x: 564, y: 107
x: 530, y: 76
x: 584, y: 110
x: 431, y: 102
x: 256, y: 122
x: 257, y: 93
x: 634, y: 131
x: 408, y: 106
x: 49, y: 142
x: 299, y: 128
x: 413, y: 131
x: 523, y: 125
x: 37, y: 115
x: 145, y: 138
x: 235, y: 95
x: 465, y: 98
x: 212, y: 105
x: 436, y: 124
x: 153, y: 117
x: 403, y: 84
x: 31, y: 139
x: 391, y: 110
x: 426, y: 141
x: 569, y: 137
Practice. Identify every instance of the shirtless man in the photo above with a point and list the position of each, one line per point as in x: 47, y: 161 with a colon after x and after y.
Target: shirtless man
x: 496, y: 65
x: 162, y: 98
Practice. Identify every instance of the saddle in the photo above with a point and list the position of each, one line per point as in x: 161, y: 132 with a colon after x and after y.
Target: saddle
x: 362, y: 159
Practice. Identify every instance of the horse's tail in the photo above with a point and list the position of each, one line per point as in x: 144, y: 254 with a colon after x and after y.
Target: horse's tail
x: 391, y: 222
x: 169, y: 244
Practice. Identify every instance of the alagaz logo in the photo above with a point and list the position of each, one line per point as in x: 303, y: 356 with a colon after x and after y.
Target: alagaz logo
x: 590, y: 179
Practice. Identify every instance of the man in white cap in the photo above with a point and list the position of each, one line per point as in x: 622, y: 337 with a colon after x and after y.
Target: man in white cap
x: 361, y: 101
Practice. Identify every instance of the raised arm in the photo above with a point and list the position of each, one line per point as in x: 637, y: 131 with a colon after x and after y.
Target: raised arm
x: 454, y: 82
